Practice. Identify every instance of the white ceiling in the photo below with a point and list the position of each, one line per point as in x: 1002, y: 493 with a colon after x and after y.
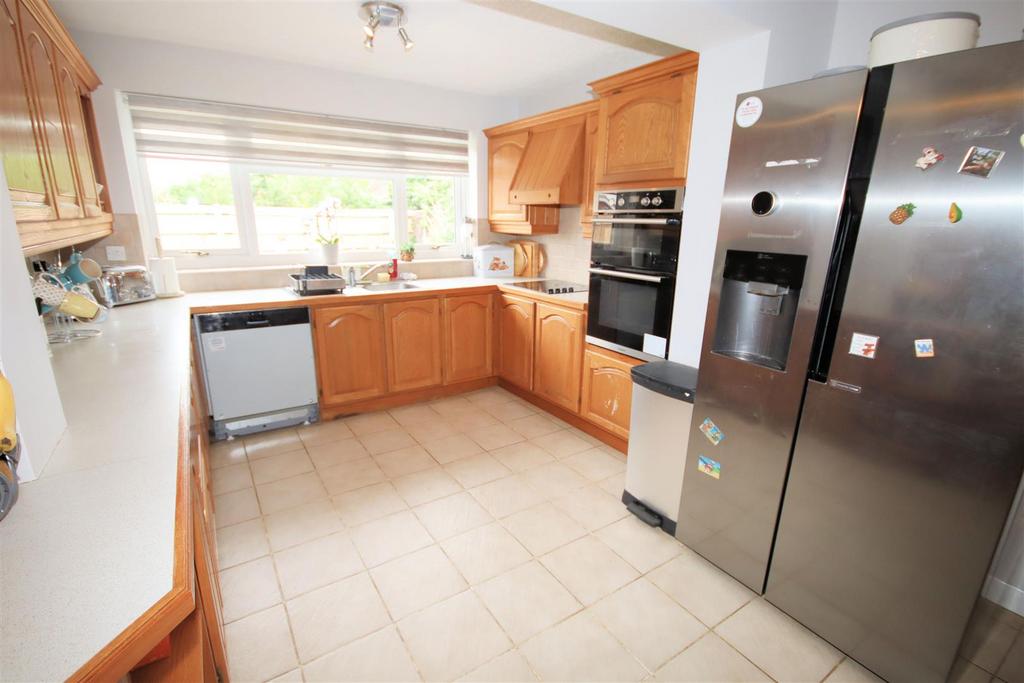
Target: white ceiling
x: 459, y: 46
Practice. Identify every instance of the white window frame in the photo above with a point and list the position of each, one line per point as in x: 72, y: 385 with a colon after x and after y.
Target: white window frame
x: 248, y: 256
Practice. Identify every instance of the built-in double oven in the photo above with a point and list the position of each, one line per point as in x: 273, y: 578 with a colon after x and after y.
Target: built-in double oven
x: 633, y: 259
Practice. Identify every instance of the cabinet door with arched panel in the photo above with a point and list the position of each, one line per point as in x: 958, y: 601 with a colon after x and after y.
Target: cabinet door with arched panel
x: 350, y: 353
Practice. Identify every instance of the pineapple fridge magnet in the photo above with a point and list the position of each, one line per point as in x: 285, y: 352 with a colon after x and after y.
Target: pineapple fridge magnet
x: 901, y: 214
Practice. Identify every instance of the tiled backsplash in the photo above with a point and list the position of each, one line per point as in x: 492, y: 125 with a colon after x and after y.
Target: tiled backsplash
x: 567, y: 251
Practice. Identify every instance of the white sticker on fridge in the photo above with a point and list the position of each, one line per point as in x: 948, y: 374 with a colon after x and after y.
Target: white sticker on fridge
x: 749, y: 112
x: 863, y: 345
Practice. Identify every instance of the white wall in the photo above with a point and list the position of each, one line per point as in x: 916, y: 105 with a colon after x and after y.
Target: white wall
x: 24, y: 352
x: 126, y: 64
x: 1001, y: 22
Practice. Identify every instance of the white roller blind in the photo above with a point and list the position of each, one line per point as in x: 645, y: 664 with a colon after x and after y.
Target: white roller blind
x: 198, y: 129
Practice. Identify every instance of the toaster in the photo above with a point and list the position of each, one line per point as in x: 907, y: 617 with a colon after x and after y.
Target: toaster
x: 119, y: 285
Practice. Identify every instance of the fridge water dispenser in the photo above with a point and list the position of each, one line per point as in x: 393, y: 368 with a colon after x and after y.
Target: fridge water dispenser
x: 757, y: 308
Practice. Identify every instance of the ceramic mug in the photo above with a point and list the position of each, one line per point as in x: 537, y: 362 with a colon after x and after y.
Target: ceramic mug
x: 81, y: 270
x: 79, y: 306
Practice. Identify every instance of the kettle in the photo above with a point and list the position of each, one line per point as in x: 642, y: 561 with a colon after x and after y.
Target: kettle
x: 9, y: 449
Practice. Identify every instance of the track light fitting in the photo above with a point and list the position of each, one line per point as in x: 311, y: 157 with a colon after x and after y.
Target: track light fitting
x: 380, y: 14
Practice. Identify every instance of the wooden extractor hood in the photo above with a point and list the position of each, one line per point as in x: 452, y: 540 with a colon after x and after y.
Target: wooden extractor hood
x: 551, y: 170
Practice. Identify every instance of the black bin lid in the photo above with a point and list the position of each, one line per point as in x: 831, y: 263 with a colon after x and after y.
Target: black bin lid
x: 674, y: 380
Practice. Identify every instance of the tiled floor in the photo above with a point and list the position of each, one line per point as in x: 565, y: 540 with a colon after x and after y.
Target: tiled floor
x: 478, y: 538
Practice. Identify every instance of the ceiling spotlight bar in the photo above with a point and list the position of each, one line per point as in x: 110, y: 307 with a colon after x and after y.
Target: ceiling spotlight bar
x: 380, y: 14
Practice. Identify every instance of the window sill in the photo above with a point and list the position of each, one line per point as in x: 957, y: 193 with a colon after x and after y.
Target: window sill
x: 296, y: 267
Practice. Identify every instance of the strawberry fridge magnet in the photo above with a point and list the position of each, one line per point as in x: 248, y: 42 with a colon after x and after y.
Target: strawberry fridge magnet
x: 930, y: 157
x: 901, y: 213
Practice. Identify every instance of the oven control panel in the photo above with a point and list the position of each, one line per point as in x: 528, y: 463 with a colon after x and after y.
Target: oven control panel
x: 658, y: 200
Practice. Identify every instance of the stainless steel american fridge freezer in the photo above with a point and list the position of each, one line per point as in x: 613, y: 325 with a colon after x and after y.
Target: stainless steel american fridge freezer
x: 858, y: 421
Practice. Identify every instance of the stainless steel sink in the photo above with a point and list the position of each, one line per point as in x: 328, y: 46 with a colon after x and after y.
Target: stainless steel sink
x: 387, y: 286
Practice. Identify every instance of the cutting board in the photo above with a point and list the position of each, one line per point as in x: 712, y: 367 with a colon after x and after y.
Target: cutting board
x: 529, y: 258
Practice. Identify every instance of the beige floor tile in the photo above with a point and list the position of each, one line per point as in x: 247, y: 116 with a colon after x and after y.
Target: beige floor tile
x: 452, y: 515
x: 510, y: 410
x: 237, y: 506
x: 494, y: 436
x: 563, y: 443
x: 579, y: 649
x: 592, y: 440
x: 452, y: 637
x: 329, y: 617
x: 389, y: 537
x: 526, y: 600
x: 422, y: 487
x: 507, y: 496
x: 324, y: 432
x: 963, y: 671
x: 260, y: 646
x: 451, y: 448
x: 404, y: 460
x: 596, y: 464
x: 520, y: 457
x: 293, y: 676
x: 333, y: 453
x: 488, y: 396
x: 591, y: 507
x: 614, y: 485
x: 589, y: 569
x: 224, y: 453
x: 476, y: 470
x: 387, y: 440
x: 368, y: 423
x: 417, y: 413
x: 469, y: 422
x: 988, y: 639
x: 248, y: 588
x: 1012, y: 669
x: 368, y: 503
x: 280, y: 466
x: 702, y: 588
x: 645, y: 547
x: 316, y: 563
x: 287, y: 493
x: 850, y: 671
x: 431, y: 431
x: 241, y: 542
x: 534, y: 426
x: 777, y: 644
x: 485, y: 552
x: 453, y: 405
x: 351, y: 475
x: 554, y: 479
x: 380, y: 656
x: 710, y: 659
x: 230, y: 478
x: 649, y: 623
x: 543, y: 528
x: 300, y: 524
x: 270, y: 443
x: 510, y: 667
x: 417, y: 580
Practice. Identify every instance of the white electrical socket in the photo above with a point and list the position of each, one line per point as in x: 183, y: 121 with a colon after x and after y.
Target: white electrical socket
x: 116, y: 254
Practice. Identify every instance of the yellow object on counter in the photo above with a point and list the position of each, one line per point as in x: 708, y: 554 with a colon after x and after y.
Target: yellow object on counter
x: 79, y: 306
x: 383, y: 277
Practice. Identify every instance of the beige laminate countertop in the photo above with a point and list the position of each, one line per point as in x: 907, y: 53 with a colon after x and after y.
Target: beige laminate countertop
x: 90, y: 545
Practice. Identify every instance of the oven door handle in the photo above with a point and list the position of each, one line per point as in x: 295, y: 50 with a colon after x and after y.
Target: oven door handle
x: 637, y: 221
x: 629, y: 276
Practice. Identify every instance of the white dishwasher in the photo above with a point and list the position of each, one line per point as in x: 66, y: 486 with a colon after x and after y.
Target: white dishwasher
x: 259, y: 369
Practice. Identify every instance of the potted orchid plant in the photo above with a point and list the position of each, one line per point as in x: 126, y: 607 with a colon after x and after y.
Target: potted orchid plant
x: 326, y: 236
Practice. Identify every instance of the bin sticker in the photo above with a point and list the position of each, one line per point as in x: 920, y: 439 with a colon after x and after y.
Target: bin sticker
x: 710, y: 467
x: 749, y: 112
x: 863, y: 345
x: 217, y: 343
x: 924, y: 348
x: 711, y: 431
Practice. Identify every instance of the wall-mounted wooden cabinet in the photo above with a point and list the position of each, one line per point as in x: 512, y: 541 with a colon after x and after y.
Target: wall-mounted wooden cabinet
x: 558, y: 354
x: 589, y: 177
x: 412, y: 332
x: 643, y: 136
x: 350, y: 353
x: 504, y: 152
x: 469, y: 337
x: 47, y: 134
x: 607, y: 396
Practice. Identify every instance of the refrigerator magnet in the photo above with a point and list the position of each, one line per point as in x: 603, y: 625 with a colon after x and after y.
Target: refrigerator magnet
x: 710, y: 467
x: 863, y: 345
x: 711, y: 431
x: 901, y: 213
x: 981, y: 161
x: 956, y: 214
x: 924, y: 348
x: 929, y: 157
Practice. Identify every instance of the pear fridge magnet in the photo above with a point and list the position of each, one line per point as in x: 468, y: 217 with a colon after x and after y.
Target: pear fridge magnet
x: 955, y: 214
x: 930, y: 157
x: 901, y: 214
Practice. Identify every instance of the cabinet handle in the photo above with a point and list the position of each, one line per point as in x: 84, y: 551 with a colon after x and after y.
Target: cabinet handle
x: 334, y: 322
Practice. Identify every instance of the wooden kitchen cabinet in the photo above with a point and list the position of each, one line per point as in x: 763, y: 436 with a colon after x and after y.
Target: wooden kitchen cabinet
x: 558, y: 355
x: 76, y: 130
x: 412, y: 332
x: 350, y: 352
x: 504, y: 153
x: 516, y: 316
x: 643, y: 136
x: 607, y: 389
x: 589, y: 177
x: 469, y: 337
